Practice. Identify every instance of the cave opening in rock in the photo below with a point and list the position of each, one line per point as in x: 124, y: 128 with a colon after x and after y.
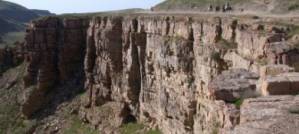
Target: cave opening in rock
x: 129, y: 119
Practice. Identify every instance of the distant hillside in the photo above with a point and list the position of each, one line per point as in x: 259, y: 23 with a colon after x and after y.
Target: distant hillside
x: 13, y: 18
x: 42, y: 12
x: 267, y: 6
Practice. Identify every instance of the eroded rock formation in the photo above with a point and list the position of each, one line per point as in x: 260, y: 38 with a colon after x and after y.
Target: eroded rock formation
x: 55, y: 52
x: 158, y: 70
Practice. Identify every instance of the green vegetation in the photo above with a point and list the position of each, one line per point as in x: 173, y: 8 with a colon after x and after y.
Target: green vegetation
x: 154, y: 131
x: 10, y: 38
x: 13, y: 19
x: 131, y: 128
x: 78, y: 127
x: 22, y: 126
x: 238, y: 103
x: 135, y: 128
x: 10, y: 118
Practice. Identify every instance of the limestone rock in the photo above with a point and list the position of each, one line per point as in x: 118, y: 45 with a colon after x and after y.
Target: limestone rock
x: 268, y: 115
x: 283, y: 84
x: 54, y: 51
x: 156, y: 69
x: 108, y: 117
x: 273, y: 70
x: 233, y: 85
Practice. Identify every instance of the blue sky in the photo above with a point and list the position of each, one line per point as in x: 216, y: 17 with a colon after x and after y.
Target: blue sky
x: 81, y: 6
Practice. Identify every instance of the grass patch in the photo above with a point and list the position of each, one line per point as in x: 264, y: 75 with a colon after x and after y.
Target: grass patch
x: 78, y: 127
x: 10, y: 119
x: 9, y: 39
x: 154, y: 131
x: 131, y: 128
x: 135, y: 128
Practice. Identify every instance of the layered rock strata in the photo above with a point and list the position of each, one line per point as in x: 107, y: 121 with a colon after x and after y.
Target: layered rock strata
x: 155, y: 69
x: 54, y: 51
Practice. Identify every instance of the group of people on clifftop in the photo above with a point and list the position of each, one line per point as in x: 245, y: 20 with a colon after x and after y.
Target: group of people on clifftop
x: 224, y: 8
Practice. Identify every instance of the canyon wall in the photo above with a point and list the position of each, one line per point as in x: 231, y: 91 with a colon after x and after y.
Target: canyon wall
x: 176, y: 73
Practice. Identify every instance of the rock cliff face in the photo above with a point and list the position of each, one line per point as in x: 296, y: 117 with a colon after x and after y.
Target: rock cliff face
x: 55, y: 52
x: 163, y: 71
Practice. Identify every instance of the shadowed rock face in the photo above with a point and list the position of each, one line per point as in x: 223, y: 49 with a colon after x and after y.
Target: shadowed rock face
x: 55, y: 52
x: 152, y: 69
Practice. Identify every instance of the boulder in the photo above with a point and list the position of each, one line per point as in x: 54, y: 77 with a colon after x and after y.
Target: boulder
x: 108, y: 117
x: 233, y: 84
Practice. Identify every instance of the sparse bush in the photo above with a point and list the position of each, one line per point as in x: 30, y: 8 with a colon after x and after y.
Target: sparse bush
x: 131, y: 128
x: 238, y: 103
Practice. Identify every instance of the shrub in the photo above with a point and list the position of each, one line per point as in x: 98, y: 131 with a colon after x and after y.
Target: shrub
x: 238, y: 103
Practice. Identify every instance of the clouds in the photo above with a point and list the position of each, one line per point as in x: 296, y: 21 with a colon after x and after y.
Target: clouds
x: 80, y: 6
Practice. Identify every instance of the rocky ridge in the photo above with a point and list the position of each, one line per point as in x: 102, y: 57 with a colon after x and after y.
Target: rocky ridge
x: 179, y: 74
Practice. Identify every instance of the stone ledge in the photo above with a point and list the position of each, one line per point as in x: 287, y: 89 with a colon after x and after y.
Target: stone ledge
x: 233, y: 85
x: 283, y: 84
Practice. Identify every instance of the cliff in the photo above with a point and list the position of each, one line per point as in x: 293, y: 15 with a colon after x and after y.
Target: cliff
x: 195, y: 74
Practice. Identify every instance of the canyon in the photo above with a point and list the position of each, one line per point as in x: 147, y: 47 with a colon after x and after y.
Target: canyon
x: 181, y: 74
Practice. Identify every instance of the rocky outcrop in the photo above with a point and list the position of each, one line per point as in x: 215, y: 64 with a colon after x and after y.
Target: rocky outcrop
x: 11, y: 56
x: 234, y: 85
x: 55, y: 54
x: 268, y: 115
x: 164, y: 71
x: 283, y: 84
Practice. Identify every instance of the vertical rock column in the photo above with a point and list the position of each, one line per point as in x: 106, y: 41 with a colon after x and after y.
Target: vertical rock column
x: 54, y: 52
x: 168, y: 95
x: 104, y: 106
x: 42, y: 41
